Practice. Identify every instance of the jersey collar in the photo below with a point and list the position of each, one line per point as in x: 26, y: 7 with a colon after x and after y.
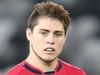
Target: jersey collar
x: 37, y: 71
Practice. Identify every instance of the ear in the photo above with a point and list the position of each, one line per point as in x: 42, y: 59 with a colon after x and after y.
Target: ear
x: 28, y: 34
x: 65, y: 38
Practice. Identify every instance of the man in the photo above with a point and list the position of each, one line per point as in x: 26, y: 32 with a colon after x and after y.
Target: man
x: 46, y: 33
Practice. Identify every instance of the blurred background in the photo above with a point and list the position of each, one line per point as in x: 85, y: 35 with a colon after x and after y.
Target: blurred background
x: 82, y: 47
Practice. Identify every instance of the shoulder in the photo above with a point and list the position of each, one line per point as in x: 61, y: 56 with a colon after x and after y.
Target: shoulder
x: 17, y: 69
x: 72, y: 69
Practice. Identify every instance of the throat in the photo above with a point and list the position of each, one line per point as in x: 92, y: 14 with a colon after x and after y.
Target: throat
x: 43, y: 66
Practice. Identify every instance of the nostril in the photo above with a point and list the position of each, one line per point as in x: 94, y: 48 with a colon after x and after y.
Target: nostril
x: 50, y: 42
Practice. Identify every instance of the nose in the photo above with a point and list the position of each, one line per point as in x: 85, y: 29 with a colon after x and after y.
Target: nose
x: 50, y: 39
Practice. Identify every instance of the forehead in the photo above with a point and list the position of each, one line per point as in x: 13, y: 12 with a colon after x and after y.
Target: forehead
x: 49, y: 24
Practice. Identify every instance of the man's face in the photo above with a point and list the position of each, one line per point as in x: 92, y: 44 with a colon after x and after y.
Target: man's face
x: 46, y: 39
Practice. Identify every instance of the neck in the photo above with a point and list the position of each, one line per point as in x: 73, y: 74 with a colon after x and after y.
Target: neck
x: 40, y: 64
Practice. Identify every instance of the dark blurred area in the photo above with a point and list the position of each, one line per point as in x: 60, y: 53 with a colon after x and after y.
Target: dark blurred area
x: 82, y: 47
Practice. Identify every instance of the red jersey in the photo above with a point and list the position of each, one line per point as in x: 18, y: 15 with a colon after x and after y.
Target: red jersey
x: 62, y: 68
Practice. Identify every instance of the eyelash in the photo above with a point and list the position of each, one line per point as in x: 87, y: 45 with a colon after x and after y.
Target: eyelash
x: 43, y: 33
x: 55, y: 34
x: 58, y: 34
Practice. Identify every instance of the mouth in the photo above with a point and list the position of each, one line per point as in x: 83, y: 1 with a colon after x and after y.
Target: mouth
x: 49, y: 49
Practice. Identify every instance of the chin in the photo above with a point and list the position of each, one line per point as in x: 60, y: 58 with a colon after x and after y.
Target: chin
x: 49, y: 60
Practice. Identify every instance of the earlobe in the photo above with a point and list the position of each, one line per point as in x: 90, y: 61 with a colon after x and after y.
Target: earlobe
x: 28, y: 34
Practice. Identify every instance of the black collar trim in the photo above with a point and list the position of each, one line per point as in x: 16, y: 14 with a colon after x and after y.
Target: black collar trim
x: 60, y: 66
x: 50, y: 72
x: 38, y: 72
x: 31, y: 69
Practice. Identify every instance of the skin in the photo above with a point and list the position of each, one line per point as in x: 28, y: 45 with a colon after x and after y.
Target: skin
x: 48, y: 33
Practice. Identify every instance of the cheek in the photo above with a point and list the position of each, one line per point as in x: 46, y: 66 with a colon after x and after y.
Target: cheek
x: 60, y: 43
x: 38, y: 41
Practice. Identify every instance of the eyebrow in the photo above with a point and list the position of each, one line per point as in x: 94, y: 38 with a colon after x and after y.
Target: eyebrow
x: 56, y: 31
x: 44, y: 30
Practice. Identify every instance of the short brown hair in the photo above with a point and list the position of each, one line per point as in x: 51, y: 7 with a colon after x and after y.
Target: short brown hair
x: 49, y: 9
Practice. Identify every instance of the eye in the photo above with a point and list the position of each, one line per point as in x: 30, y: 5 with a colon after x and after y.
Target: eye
x: 43, y: 33
x: 58, y: 34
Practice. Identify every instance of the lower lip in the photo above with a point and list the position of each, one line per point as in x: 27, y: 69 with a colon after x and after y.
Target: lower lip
x: 50, y: 52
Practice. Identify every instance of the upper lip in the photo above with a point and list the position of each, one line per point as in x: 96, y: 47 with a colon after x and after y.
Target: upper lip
x: 48, y: 49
